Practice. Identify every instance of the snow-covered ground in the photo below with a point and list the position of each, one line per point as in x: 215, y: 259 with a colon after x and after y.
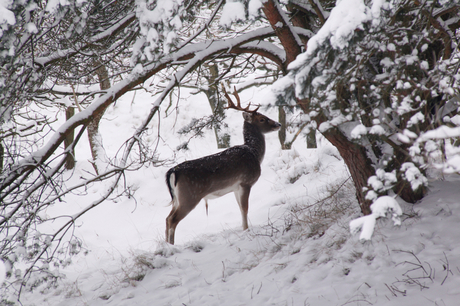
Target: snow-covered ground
x: 298, y: 250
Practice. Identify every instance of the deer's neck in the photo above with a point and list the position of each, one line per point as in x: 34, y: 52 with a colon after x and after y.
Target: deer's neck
x: 254, y: 139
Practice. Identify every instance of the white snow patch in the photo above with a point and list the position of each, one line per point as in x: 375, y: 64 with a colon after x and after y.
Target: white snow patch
x: 377, y: 129
x: 2, y: 272
x: 254, y: 7
x: 379, y: 208
x: 6, y: 16
x: 358, y: 131
x: 233, y: 11
x: 442, y: 132
x: 413, y: 175
x: 345, y: 18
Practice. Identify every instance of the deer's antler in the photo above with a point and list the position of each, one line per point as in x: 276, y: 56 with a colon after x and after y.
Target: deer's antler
x: 238, y: 106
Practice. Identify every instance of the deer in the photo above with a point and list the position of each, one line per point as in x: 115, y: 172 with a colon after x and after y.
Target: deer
x: 235, y: 169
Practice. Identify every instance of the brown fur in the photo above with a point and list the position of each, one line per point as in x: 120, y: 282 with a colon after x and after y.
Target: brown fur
x: 236, y: 170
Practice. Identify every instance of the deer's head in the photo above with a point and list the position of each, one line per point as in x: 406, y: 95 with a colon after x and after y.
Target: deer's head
x: 264, y: 123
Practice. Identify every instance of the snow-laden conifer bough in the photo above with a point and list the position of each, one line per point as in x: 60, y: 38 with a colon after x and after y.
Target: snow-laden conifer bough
x: 380, y: 208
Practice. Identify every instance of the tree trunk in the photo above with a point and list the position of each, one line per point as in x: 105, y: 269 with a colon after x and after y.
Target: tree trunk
x: 282, y: 130
x: 217, y: 107
x: 2, y: 152
x: 95, y: 139
x: 403, y: 188
x: 354, y: 155
x: 70, y: 158
x: 279, y: 24
x: 358, y: 164
x: 311, y: 139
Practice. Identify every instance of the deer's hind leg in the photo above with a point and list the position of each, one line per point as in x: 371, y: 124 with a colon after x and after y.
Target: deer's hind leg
x: 242, y: 197
x: 182, y: 206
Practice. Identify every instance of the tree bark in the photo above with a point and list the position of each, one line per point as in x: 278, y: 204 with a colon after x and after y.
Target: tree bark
x: 282, y: 130
x: 217, y: 107
x: 282, y: 30
x: 69, y: 137
x: 311, y: 139
x: 94, y: 137
x: 358, y: 164
x: 354, y: 156
x: 2, y: 152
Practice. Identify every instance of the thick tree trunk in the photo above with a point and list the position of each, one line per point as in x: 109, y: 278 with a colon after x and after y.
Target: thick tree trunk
x: 358, y: 164
x: 354, y: 156
x: 70, y: 158
x: 95, y: 139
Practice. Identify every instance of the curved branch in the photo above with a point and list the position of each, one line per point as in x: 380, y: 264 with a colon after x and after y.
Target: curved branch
x: 205, y: 26
x: 319, y: 10
x: 285, y: 32
x: 64, y: 54
x: 265, y: 49
x: 195, y: 53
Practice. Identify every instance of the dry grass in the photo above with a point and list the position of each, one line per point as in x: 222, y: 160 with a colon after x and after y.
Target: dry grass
x: 317, y: 215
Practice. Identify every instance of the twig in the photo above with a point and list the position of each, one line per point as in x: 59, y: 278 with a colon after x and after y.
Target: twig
x: 447, y: 268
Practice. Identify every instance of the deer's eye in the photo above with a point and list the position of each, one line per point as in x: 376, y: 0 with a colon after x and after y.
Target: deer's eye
x: 262, y: 120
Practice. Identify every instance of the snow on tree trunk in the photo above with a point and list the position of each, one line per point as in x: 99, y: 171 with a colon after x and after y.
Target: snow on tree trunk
x: 279, y: 22
x: 94, y: 137
x: 217, y: 106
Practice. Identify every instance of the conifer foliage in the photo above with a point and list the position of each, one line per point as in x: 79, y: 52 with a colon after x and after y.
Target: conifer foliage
x: 380, y: 80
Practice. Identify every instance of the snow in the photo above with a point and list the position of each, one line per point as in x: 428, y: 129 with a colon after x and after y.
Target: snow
x: 233, y: 11
x: 377, y: 129
x: 254, y: 7
x: 303, y: 258
x: 2, y: 272
x: 358, y: 131
x: 379, y: 208
x: 441, y: 132
x: 6, y: 16
x: 345, y: 18
x: 413, y: 175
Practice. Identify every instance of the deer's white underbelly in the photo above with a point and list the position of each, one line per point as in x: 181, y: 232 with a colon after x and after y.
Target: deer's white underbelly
x: 218, y: 193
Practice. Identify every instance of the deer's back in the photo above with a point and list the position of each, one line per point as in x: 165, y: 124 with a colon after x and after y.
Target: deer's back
x: 215, y: 175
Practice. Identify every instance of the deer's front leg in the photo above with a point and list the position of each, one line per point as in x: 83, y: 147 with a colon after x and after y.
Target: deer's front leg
x: 242, y: 197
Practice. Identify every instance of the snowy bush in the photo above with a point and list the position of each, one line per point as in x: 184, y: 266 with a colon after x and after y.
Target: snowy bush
x: 380, y: 208
x: 364, y: 75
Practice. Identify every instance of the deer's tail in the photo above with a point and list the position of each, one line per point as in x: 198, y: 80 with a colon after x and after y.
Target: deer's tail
x: 171, y: 181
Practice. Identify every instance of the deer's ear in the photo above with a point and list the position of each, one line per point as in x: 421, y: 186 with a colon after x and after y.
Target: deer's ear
x: 247, y: 116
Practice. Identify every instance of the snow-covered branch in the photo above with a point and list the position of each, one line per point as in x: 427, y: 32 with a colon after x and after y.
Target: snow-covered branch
x: 380, y: 208
x: 284, y: 30
x: 107, y: 33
